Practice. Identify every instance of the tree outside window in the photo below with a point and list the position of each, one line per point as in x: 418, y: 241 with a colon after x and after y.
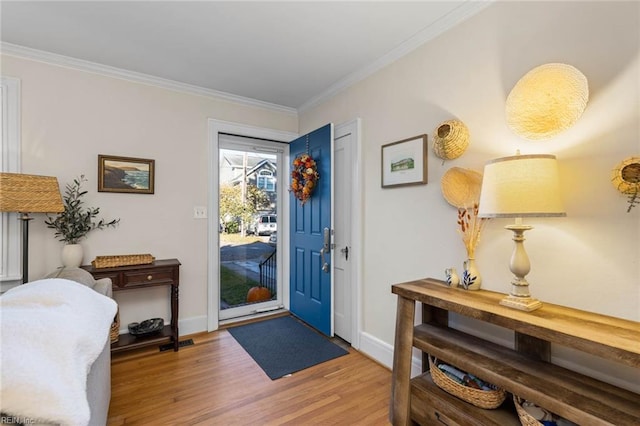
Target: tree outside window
x: 237, y: 213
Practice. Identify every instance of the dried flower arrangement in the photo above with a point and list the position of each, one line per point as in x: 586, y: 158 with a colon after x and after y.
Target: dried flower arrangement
x: 304, y: 177
x: 470, y: 228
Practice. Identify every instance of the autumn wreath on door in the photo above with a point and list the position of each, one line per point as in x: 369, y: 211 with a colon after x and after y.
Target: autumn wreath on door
x: 304, y: 177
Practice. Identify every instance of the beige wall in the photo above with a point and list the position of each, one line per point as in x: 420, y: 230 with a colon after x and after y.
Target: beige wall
x: 590, y: 259
x: 70, y: 116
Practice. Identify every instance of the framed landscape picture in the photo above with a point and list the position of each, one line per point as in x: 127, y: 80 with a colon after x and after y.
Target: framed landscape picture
x: 405, y: 162
x: 125, y: 174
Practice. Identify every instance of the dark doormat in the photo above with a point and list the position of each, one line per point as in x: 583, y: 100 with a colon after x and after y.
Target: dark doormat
x: 284, y: 345
x: 181, y: 344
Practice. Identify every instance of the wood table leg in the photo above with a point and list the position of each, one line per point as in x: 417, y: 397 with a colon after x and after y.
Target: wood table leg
x: 400, y: 412
x: 174, y: 317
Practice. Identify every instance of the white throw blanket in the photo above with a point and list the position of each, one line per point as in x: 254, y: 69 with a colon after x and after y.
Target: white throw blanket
x: 52, y: 330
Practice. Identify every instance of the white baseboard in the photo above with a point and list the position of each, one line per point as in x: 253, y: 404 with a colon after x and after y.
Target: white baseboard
x: 383, y: 353
x: 192, y: 325
x: 9, y: 283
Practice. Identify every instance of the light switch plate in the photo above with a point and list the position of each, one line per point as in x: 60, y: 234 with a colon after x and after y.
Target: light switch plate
x: 199, y: 212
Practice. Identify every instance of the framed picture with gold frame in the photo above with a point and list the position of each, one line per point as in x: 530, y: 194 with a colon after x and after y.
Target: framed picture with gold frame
x: 125, y: 174
x: 405, y: 162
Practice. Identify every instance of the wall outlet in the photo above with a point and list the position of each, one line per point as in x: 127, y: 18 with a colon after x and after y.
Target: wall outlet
x: 199, y: 212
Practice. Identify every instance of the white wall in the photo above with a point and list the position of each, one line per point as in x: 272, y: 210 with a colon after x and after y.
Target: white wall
x: 588, y: 260
x: 70, y: 116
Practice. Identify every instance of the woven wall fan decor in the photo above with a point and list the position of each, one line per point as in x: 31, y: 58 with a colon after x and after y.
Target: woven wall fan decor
x: 625, y: 177
x: 546, y: 101
x: 461, y: 187
x: 450, y: 139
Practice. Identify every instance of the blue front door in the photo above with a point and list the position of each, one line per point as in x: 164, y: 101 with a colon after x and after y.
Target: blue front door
x: 311, y: 297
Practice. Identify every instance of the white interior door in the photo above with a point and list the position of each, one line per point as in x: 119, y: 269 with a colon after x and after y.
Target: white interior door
x: 344, y: 286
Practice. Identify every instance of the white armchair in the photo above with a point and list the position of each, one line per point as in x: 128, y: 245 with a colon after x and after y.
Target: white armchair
x: 55, y: 350
x: 99, y: 379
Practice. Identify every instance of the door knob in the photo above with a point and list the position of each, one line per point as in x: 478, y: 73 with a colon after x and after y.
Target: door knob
x: 345, y: 251
x: 326, y: 246
x: 325, y: 265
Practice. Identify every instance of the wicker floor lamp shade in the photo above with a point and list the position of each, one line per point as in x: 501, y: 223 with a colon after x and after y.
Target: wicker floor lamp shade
x: 546, y: 101
x: 29, y: 194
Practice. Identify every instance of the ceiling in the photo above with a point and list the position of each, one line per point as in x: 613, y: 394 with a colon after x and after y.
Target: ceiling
x: 290, y: 54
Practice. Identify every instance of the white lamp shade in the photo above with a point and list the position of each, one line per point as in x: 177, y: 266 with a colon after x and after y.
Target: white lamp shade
x: 521, y: 186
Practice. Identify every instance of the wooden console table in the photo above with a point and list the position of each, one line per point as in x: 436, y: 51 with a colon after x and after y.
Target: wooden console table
x: 159, y: 273
x: 525, y: 371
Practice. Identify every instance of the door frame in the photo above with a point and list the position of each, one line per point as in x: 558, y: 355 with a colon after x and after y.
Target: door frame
x: 213, y: 285
x: 278, y: 150
x: 213, y: 238
x: 355, y: 128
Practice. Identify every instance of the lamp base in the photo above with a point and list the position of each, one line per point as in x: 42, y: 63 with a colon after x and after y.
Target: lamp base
x: 527, y: 303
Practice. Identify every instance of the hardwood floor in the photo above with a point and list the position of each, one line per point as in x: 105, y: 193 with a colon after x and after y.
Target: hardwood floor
x: 215, y: 382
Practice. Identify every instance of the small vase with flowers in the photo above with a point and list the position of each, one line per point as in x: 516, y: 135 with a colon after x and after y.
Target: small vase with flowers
x: 470, y: 227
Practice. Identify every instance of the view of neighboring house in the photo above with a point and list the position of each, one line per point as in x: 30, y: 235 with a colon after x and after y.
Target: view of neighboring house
x: 259, y: 170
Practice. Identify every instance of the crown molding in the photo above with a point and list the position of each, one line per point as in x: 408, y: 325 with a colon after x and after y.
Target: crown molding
x: 453, y: 18
x: 456, y: 16
x: 136, y: 77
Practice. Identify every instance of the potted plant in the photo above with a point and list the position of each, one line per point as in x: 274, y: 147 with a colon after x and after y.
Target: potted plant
x: 75, y: 222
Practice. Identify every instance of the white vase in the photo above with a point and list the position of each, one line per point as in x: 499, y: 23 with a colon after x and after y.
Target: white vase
x: 452, y: 277
x: 72, y: 255
x: 471, y: 279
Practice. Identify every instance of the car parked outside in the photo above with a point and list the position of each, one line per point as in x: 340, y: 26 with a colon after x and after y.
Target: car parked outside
x: 266, y: 224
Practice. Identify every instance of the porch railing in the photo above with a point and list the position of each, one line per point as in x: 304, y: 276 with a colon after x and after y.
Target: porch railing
x: 269, y: 273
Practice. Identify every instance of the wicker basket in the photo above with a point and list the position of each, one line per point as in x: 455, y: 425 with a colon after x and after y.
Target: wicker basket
x: 525, y: 418
x: 461, y: 187
x: 114, y: 334
x: 450, y: 139
x: 626, y: 176
x: 122, y: 260
x: 479, y: 398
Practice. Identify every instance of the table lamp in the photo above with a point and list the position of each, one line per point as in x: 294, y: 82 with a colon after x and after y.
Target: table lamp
x: 26, y: 194
x: 521, y: 186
